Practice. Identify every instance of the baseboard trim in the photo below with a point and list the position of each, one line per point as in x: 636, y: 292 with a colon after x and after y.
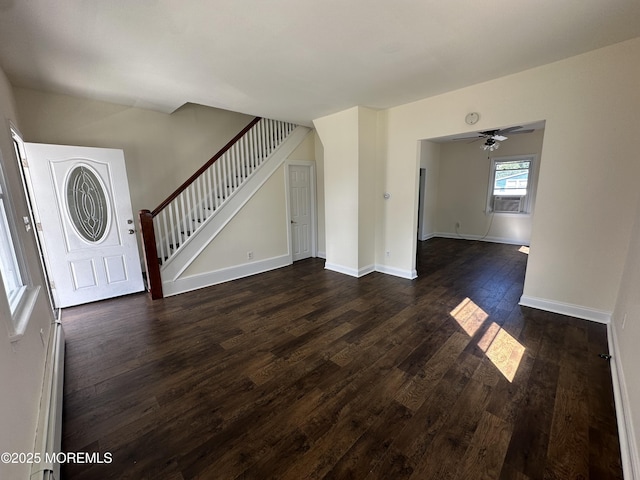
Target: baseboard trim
x: 481, y: 238
x: 352, y: 272
x: 428, y: 236
x: 202, y: 280
x: 366, y: 270
x: 49, y: 430
x: 628, y: 444
x: 569, y: 309
x: 397, y: 272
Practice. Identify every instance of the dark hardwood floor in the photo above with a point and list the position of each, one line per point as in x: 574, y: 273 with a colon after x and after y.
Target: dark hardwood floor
x: 306, y: 373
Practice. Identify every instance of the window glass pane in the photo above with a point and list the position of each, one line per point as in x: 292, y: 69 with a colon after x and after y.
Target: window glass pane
x: 87, y: 204
x: 511, y: 178
x: 8, y: 262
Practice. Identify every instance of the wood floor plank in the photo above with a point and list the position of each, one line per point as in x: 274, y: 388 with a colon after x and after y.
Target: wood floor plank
x: 413, y: 393
x: 454, y: 438
x: 409, y: 447
x: 484, y: 458
x: 302, y: 373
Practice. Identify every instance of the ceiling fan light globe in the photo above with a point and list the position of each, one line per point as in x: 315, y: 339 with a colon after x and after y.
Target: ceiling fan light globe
x: 491, y: 146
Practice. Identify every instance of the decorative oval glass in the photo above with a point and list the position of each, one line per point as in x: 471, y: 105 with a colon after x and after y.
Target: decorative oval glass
x: 87, y: 204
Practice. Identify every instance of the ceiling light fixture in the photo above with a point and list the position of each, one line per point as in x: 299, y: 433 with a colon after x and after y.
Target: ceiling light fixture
x: 490, y: 145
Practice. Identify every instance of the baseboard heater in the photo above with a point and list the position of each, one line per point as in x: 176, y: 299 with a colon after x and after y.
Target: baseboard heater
x: 49, y: 433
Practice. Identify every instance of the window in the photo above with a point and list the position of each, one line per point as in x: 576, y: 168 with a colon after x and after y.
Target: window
x: 511, y: 185
x: 17, y: 295
x: 12, y: 276
x: 9, y: 266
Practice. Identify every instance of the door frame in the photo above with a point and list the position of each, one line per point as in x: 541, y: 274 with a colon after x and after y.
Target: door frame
x: 313, y: 204
x: 34, y: 219
x: 422, y: 190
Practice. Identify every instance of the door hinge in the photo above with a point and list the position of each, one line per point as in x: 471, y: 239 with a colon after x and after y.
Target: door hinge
x: 52, y: 284
x: 38, y: 226
x: 25, y: 164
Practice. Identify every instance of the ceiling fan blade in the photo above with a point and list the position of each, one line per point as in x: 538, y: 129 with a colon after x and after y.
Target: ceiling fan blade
x: 508, y: 130
x: 523, y: 131
x: 489, y: 133
x: 470, y: 137
x: 499, y: 138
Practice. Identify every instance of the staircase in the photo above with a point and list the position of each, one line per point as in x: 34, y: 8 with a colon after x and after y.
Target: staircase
x: 176, y: 231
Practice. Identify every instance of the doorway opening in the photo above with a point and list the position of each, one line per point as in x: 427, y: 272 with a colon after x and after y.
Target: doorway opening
x: 464, y: 180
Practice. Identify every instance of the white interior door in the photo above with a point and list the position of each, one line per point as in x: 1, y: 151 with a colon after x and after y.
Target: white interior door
x: 300, y: 206
x: 86, y: 224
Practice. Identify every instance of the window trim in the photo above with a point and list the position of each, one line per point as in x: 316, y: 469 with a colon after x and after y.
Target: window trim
x: 531, y: 184
x: 18, y: 309
x: 8, y: 237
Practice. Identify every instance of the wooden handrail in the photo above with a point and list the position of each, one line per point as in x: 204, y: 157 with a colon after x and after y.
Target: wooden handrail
x: 150, y: 250
x: 199, y: 172
x: 252, y: 151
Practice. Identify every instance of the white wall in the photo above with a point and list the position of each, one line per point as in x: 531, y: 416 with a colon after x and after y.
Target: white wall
x: 626, y: 331
x: 339, y: 135
x: 320, y: 200
x: 587, y: 189
x: 350, y: 159
x: 463, y: 185
x: 260, y: 227
x: 161, y: 150
x: 367, y: 163
x: 21, y: 362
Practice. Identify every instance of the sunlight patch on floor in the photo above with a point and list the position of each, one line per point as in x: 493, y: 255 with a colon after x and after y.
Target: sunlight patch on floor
x: 524, y: 249
x: 504, y: 351
x: 469, y: 316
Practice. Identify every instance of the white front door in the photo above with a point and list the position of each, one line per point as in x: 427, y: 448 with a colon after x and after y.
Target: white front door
x: 86, y: 225
x: 300, y: 205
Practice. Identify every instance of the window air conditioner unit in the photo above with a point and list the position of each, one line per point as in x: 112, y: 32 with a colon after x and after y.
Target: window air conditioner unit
x: 507, y: 204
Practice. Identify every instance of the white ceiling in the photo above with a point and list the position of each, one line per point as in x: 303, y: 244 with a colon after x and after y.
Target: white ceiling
x: 294, y: 60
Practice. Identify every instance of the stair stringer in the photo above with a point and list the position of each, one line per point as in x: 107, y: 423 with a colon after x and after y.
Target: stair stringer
x: 196, y: 243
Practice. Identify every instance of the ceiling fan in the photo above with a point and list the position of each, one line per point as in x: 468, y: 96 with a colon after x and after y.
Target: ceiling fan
x: 493, y: 137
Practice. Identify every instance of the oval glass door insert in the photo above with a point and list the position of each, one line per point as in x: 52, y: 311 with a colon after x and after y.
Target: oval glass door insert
x: 87, y: 204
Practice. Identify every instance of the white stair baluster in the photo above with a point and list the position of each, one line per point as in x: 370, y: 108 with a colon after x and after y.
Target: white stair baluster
x: 252, y: 148
x: 183, y: 206
x: 172, y: 227
x: 157, y: 226
x: 216, y: 183
x: 189, y: 210
x: 165, y: 233
x: 224, y: 178
x: 193, y: 209
x: 209, y: 194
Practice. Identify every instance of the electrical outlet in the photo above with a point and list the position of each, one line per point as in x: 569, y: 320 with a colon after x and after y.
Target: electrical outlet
x: 249, y: 255
x: 388, y: 253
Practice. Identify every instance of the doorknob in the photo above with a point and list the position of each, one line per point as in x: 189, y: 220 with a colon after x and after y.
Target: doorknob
x: 129, y: 221
x: 131, y: 231
x: 293, y: 221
